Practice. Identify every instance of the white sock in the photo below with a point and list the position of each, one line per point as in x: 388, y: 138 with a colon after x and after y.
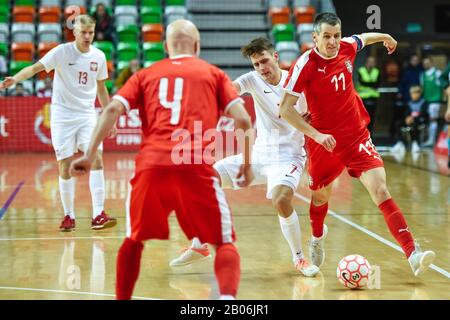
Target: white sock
x: 97, y: 187
x: 196, y: 243
x: 67, y: 193
x: 291, y: 232
x: 226, y: 297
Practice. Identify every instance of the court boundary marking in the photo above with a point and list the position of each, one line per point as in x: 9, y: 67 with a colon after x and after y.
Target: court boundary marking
x: 72, y: 292
x: 371, y: 234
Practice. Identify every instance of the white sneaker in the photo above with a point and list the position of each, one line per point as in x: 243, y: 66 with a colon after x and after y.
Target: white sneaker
x: 306, y: 269
x: 316, y: 250
x: 399, y: 147
x: 415, y: 147
x: 420, y: 260
x: 190, y: 255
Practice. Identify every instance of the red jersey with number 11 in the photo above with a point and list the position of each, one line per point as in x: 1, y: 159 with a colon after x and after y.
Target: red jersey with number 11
x: 179, y: 99
x: 333, y: 102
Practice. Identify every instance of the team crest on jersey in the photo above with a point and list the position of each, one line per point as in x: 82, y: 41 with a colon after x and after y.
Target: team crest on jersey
x: 94, y: 66
x: 349, y: 66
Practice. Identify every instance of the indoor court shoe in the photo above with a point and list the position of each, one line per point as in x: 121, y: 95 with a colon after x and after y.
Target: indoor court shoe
x: 306, y: 269
x: 316, y: 250
x: 190, y: 255
x: 420, y: 260
x: 103, y: 221
x: 67, y: 224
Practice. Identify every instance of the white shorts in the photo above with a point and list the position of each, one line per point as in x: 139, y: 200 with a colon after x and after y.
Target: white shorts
x: 433, y: 109
x: 287, y: 173
x: 71, y: 135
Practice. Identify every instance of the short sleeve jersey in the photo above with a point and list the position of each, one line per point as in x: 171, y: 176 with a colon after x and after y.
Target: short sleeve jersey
x: 333, y: 102
x: 76, y: 75
x: 180, y: 101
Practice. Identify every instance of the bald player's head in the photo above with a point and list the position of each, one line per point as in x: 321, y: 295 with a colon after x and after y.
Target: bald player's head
x: 182, y: 37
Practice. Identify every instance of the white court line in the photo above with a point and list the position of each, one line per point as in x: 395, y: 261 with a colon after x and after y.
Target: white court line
x: 72, y: 292
x: 64, y: 238
x: 372, y: 234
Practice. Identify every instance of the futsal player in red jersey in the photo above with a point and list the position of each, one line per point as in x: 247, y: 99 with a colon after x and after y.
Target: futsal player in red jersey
x: 338, y: 132
x: 174, y: 97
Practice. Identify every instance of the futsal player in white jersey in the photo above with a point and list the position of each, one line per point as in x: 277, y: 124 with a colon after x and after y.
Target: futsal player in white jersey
x: 278, y: 156
x: 80, y: 74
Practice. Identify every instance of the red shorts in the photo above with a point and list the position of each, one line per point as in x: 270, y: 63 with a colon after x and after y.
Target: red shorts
x: 193, y: 192
x: 358, y: 156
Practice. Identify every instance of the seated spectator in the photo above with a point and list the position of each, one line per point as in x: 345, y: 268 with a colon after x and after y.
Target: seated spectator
x: 46, y: 91
x: 126, y: 73
x: 20, y: 91
x: 416, y: 119
x: 104, y: 28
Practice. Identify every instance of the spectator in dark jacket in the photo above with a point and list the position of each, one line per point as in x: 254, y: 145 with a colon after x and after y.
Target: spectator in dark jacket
x: 411, y: 77
x: 416, y: 119
x: 104, y: 28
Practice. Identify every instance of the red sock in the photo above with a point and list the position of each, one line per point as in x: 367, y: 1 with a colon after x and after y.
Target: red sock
x: 317, y: 217
x: 227, y: 269
x: 128, y: 264
x: 397, y: 225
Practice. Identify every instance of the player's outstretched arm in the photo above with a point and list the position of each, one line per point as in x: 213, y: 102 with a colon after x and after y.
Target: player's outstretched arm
x: 242, y: 122
x: 22, y: 75
x: 374, y: 37
x: 104, y: 124
x: 288, y: 112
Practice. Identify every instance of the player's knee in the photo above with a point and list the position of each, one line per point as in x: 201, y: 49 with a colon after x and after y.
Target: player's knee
x: 64, y: 166
x: 282, y: 202
x: 382, y: 193
x: 319, y: 199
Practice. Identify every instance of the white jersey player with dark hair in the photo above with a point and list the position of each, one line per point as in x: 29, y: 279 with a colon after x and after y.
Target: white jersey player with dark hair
x: 278, y: 156
x: 80, y: 74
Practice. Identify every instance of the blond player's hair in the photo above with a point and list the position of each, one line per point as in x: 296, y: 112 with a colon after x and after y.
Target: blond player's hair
x: 84, y: 20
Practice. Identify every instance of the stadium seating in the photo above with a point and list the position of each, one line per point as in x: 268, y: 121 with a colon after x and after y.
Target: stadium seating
x: 127, y: 51
x: 31, y: 3
x: 22, y: 32
x: 152, y: 32
x: 126, y: 15
x: 78, y: 3
x: 151, y: 15
x: 24, y: 14
x: 22, y: 51
x: 49, y: 15
x: 52, y: 3
x: 153, y: 51
x: 45, y: 47
x: 172, y: 13
x: 16, y: 66
x: 283, y: 32
x: 4, y: 14
x: 107, y: 47
x: 279, y: 15
x: 49, y: 32
x: 128, y: 33
x: 304, y: 14
x: 304, y: 32
x: 151, y: 3
x: 4, y: 33
x: 288, y: 52
x: 3, y: 49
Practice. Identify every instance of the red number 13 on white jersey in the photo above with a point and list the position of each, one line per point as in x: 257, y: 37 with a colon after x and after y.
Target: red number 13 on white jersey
x: 174, y: 105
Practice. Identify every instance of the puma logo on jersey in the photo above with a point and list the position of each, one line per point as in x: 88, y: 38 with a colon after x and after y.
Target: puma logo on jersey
x: 403, y: 230
x: 321, y: 70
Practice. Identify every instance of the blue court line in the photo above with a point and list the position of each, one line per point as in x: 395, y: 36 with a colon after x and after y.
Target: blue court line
x: 10, y: 199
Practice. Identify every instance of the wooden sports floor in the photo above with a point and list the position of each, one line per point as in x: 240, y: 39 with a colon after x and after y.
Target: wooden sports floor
x: 39, y: 262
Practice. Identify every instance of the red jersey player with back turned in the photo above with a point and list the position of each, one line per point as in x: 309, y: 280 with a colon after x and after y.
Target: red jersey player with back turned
x: 338, y: 132
x: 174, y: 97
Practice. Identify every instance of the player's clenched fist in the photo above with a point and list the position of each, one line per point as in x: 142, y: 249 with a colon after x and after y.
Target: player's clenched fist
x: 80, y: 166
x: 245, y: 176
x: 327, y: 141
